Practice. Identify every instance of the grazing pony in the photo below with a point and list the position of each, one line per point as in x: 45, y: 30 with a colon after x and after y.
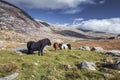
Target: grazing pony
x: 69, y: 46
x: 56, y: 46
x: 65, y: 46
x: 38, y: 46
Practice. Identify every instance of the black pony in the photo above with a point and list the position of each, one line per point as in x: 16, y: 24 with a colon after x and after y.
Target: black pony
x: 38, y: 46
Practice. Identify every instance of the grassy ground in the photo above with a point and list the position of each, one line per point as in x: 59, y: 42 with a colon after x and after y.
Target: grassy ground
x: 53, y: 65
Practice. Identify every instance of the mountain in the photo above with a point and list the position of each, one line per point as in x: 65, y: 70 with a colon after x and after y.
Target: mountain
x: 16, y: 24
x: 14, y: 18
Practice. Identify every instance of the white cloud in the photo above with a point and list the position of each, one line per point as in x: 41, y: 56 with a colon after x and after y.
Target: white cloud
x: 63, y: 25
x: 102, y: 2
x: 50, y: 4
x: 77, y: 21
x: 111, y: 25
x: 72, y: 11
x: 69, y: 6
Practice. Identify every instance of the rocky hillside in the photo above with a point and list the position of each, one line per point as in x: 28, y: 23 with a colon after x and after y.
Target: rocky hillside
x: 13, y: 18
x: 16, y: 24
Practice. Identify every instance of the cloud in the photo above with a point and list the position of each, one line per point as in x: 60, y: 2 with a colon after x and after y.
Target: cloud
x: 72, y: 11
x: 111, y: 25
x: 62, y: 25
x: 102, y: 2
x: 77, y: 21
x: 69, y: 6
x: 50, y: 4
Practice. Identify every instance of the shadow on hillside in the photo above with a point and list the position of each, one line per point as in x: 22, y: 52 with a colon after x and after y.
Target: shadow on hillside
x: 90, y: 31
x: 75, y: 34
x: 72, y: 34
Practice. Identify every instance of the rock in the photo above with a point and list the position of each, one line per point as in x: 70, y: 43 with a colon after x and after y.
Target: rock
x: 117, y: 64
x: 69, y: 67
x: 118, y: 71
x: 106, y: 75
x: 3, y: 48
x: 87, y: 65
x: 1, y: 43
x: 3, y: 28
x: 109, y: 59
x: 10, y: 77
x: 113, y: 52
x: 35, y: 63
x: 33, y: 76
x: 98, y: 49
x: 84, y: 48
x: 20, y: 53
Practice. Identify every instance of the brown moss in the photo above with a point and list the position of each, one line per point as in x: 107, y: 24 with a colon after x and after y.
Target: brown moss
x: 8, y: 67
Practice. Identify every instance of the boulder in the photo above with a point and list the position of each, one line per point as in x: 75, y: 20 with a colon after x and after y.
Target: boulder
x: 87, y: 65
x: 69, y: 66
x: 35, y: 63
x: 98, y: 49
x: 113, y: 52
x: 106, y: 75
x: 84, y: 48
x: 10, y: 77
x: 117, y: 64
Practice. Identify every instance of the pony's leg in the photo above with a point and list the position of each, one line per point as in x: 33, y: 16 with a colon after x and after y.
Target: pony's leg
x: 64, y: 48
x: 55, y: 49
x: 42, y: 51
x: 28, y: 51
x: 39, y: 52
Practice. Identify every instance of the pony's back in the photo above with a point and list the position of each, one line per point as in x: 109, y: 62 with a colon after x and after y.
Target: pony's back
x: 64, y: 46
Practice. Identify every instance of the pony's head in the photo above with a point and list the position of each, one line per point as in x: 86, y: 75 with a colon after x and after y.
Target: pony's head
x: 48, y: 42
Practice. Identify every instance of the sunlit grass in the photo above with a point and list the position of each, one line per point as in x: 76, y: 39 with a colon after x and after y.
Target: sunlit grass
x: 52, y: 66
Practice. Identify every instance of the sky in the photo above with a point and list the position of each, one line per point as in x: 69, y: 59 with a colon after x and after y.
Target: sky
x: 97, y: 15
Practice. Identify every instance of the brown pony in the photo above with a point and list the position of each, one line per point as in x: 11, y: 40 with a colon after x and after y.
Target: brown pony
x: 56, y: 46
